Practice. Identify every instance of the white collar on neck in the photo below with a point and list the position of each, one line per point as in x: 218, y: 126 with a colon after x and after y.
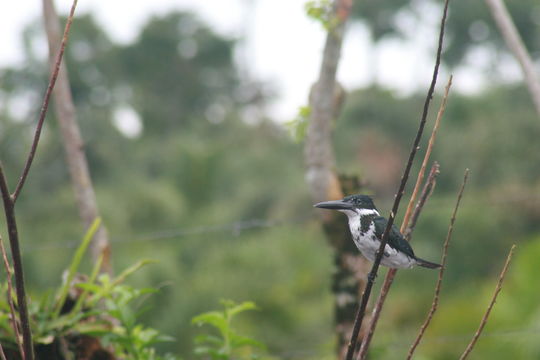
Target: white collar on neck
x: 363, y: 212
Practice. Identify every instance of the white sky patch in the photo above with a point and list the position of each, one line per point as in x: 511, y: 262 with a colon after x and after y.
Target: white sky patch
x: 127, y: 121
x: 20, y: 107
x: 278, y: 43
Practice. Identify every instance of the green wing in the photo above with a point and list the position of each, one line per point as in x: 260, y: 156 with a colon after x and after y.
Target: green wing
x: 395, y: 239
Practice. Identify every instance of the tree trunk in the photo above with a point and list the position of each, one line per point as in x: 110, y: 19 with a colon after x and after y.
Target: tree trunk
x: 73, y: 143
x: 325, y: 101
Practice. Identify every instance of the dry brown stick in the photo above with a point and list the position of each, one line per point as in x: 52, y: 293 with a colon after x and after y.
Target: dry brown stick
x: 373, y: 273
x: 429, y: 186
x: 405, y: 229
x: 431, y: 142
x: 490, y: 307
x: 385, y: 288
x: 435, y: 303
x: 45, y: 105
x: 14, y: 324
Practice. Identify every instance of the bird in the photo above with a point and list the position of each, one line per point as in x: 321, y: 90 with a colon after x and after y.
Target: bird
x: 367, y: 228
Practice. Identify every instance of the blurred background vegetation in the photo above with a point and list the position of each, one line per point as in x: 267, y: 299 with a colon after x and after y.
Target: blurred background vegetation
x: 184, y: 175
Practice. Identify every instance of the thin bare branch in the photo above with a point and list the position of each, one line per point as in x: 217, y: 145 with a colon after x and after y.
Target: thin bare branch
x: 10, y: 199
x: 429, y: 186
x: 11, y: 222
x: 406, y: 228
x: 388, y: 280
x: 490, y: 307
x: 45, y: 105
x: 405, y: 177
x: 9, y: 294
x: 435, y: 303
x: 9, y: 210
x: 431, y: 142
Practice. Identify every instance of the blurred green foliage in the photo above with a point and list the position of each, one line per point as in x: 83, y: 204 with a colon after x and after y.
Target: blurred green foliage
x: 229, y: 344
x: 95, y: 305
x: 221, y: 202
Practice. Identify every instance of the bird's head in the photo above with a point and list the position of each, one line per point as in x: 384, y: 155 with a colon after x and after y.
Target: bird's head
x: 351, y: 205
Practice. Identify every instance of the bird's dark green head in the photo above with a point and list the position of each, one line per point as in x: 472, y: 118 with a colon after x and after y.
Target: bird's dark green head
x: 360, y: 201
x: 349, y: 203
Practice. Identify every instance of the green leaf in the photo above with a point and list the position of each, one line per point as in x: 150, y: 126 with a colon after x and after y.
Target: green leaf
x: 74, y: 266
x: 214, y: 318
x: 239, y: 341
x: 245, y: 306
x: 130, y: 270
x: 95, y: 272
x: 298, y: 126
x: 201, y: 339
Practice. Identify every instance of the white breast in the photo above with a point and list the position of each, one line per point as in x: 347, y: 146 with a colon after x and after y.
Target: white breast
x: 368, y: 244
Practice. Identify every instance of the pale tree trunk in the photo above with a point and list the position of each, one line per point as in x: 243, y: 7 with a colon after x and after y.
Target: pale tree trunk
x: 515, y: 43
x: 73, y: 143
x: 325, y: 101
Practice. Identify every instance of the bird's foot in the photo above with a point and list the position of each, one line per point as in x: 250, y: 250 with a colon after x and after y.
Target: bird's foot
x: 371, y: 277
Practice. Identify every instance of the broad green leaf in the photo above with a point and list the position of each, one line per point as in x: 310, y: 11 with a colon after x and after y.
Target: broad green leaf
x: 214, y: 318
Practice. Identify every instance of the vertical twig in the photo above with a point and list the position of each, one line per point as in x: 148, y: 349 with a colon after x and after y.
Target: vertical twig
x: 9, y: 201
x: 388, y: 280
x: 429, y: 149
x: 435, y: 303
x: 405, y: 177
x: 515, y: 44
x: 9, y: 295
x: 490, y: 307
x: 405, y: 229
x: 11, y: 222
x: 45, y: 105
x: 73, y: 143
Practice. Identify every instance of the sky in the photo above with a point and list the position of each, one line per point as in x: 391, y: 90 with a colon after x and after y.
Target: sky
x: 282, y: 45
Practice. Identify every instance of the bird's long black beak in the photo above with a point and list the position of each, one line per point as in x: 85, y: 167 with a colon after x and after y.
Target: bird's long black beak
x: 334, y: 205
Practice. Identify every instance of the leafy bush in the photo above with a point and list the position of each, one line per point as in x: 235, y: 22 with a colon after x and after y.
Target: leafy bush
x: 229, y: 344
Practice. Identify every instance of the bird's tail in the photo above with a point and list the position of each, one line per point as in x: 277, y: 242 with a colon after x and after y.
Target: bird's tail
x: 427, y: 264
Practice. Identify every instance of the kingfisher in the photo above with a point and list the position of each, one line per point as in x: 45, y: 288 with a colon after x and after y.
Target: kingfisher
x: 367, y: 228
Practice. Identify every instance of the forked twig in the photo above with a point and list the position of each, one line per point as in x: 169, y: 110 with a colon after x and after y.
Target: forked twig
x: 373, y: 273
x: 14, y: 324
x: 407, y: 225
x: 431, y: 142
x: 490, y: 307
x: 435, y: 303
x: 45, y: 105
x: 13, y: 234
x: 429, y: 186
x: 388, y: 280
x: 9, y: 201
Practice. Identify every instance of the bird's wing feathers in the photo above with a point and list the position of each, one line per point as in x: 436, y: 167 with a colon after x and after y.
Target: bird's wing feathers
x: 395, y: 239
